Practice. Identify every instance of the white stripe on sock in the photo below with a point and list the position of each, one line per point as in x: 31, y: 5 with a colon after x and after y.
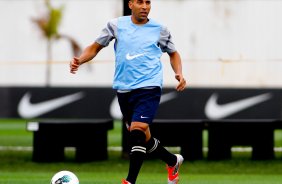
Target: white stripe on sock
x: 155, y: 146
x: 138, y: 148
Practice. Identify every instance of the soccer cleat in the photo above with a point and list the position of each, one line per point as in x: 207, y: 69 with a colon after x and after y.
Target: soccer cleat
x: 173, y: 171
x: 125, y: 182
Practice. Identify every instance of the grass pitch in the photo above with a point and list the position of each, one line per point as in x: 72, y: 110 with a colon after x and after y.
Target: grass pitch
x: 16, y: 166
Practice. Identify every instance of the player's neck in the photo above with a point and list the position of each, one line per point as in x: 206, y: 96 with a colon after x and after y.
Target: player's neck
x: 139, y: 22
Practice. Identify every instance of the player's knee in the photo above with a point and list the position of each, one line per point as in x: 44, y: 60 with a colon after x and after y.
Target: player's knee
x: 139, y: 126
x: 137, y: 137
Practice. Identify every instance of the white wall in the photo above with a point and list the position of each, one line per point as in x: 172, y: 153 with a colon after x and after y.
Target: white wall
x: 222, y: 42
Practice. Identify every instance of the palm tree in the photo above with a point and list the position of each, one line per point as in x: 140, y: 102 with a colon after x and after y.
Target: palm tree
x: 49, y: 25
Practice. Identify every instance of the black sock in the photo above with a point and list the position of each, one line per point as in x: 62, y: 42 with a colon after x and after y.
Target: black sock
x: 137, y: 154
x: 155, y: 149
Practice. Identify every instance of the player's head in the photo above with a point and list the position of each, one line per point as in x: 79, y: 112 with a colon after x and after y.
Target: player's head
x: 140, y: 10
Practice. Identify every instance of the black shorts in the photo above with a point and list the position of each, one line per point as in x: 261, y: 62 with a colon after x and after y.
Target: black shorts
x: 140, y: 104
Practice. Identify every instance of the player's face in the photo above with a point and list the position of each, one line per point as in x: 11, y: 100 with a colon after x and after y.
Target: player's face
x: 140, y: 10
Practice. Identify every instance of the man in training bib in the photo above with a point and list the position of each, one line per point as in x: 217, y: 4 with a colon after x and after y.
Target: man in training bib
x: 138, y: 78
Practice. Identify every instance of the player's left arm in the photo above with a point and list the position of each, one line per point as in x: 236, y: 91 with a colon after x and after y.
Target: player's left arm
x: 175, y: 61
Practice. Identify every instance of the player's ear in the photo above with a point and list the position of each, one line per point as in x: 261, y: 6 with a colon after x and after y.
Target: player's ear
x: 130, y: 4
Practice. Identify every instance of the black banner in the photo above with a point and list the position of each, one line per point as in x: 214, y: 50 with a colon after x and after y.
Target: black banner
x: 193, y: 103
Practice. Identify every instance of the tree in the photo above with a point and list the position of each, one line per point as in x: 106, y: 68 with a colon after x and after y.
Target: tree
x: 49, y: 26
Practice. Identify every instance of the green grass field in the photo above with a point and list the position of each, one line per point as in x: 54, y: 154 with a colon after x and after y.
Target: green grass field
x: 16, y: 166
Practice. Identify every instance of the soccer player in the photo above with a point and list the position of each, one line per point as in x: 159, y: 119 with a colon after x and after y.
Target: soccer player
x: 139, y: 43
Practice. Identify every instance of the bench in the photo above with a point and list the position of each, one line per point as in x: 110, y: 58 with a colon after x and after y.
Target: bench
x: 87, y: 136
x: 222, y: 136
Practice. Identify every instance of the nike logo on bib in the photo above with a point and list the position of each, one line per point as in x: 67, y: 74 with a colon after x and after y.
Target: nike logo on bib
x: 26, y: 109
x: 131, y: 57
x: 213, y: 110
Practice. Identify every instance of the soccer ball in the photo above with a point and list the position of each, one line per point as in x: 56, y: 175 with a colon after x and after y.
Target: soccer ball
x: 64, y: 177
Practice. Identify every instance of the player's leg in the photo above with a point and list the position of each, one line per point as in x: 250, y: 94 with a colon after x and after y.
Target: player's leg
x: 153, y: 146
x: 143, y: 103
x: 173, y: 161
x: 156, y: 150
x: 128, y: 103
x: 138, y: 149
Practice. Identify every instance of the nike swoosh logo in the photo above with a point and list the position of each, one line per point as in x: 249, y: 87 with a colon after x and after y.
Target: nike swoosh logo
x: 144, y: 117
x: 26, y: 109
x: 129, y: 57
x: 213, y: 110
x: 115, y: 109
x: 168, y: 96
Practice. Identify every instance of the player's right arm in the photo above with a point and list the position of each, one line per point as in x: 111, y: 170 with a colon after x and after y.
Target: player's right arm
x: 107, y: 35
x: 88, y: 54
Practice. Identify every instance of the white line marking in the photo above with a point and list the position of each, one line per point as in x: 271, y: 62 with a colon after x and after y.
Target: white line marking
x: 119, y: 148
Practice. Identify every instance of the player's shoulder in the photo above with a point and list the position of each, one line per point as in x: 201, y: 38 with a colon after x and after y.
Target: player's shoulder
x: 119, y: 20
x: 113, y: 20
x: 112, y: 23
x: 124, y: 18
x: 157, y: 23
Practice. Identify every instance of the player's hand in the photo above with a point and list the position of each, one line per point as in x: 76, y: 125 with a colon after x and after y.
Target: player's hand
x: 74, y: 64
x: 182, y: 82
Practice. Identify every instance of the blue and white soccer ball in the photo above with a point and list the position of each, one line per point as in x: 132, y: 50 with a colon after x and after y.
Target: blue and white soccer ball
x: 64, y: 177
